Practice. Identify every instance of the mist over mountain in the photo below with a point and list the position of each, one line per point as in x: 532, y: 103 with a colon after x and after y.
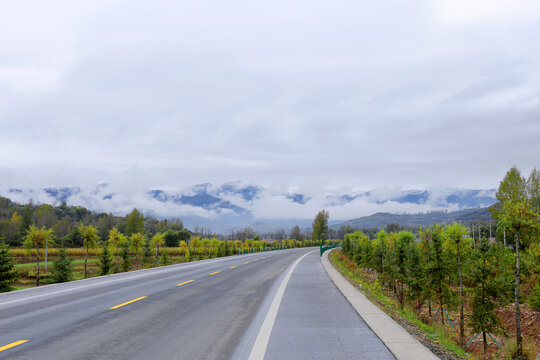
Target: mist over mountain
x: 233, y: 205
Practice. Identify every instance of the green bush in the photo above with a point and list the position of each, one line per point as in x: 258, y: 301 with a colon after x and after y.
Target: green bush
x: 62, y: 270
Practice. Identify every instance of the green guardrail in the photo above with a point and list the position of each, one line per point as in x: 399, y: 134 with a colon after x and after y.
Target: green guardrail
x: 327, y: 247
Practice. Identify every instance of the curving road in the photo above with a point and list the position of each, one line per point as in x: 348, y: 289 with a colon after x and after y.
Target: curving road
x: 273, y: 305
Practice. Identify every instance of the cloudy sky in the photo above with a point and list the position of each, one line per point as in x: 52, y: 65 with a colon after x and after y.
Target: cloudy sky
x: 319, y: 95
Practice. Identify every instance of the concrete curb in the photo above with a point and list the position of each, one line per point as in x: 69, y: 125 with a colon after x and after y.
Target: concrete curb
x: 402, y: 344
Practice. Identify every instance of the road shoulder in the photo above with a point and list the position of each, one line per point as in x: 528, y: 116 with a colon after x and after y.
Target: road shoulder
x: 398, y: 340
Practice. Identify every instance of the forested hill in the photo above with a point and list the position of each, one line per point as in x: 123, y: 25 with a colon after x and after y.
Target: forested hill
x: 63, y: 219
x: 380, y: 220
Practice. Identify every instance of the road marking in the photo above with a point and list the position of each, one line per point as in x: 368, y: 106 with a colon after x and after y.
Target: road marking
x: 13, y: 344
x: 185, y: 282
x: 102, y: 283
x: 127, y: 303
x: 259, y: 347
x: 214, y: 273
x: 256, y: 260
x: 233, y: 267
x: 246, y: 263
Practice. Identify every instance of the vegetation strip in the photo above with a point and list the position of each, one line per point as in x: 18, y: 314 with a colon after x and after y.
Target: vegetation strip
x: 13, y: 344
x: 216, y: 272
x: 127, y: 303
x: 185, y: 282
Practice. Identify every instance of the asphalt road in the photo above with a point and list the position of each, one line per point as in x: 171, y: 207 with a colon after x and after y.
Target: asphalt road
x: 214, y: 309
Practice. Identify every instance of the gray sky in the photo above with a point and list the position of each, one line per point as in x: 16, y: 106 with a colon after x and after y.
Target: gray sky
x: 311, y: 94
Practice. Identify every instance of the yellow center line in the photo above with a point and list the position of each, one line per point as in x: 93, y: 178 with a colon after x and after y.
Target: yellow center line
x: 13, y: 344
x: 256, y: 260
x: 214, y: 273
x: 127, y: 303
x: 246, y: 263
x: 185, y: 282
x: 232, y: 267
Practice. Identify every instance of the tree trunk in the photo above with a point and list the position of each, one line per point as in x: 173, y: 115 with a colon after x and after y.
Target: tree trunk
x: 485, y: 340
x: 461, y: 317
x: 37, y: 277
x: 519, y: 339
x: 85, y: 260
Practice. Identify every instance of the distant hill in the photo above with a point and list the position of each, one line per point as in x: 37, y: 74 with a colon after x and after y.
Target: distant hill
x: 380, y: 220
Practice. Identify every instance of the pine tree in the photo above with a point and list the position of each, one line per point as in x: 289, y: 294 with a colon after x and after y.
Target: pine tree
x: 62, y: 270
x: 105, y: 261
x: 457, y: 232
x: 147, y: 253
x: 439, y: 271
x: 125, y: 256
x: 486, y: 293
x: 165, y: 258
x: 417, y: 281
x: 7, y: 274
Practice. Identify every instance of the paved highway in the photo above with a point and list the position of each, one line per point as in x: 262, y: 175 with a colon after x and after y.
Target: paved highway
x: 273, y: 305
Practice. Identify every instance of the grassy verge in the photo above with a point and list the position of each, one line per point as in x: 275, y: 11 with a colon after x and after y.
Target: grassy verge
x: 374, y: 292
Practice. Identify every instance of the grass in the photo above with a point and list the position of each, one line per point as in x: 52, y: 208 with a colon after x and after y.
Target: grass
x: 389, y: 305
x: 50, y: 263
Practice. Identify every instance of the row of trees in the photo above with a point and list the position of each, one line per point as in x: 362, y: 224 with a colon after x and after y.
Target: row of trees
x: 426, y: 268
x: 119, y: 250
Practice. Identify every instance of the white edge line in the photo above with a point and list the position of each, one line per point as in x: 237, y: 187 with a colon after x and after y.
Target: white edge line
x: 259, y: 347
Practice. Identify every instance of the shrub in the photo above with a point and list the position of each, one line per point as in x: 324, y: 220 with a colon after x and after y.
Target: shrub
x: 62, y: 270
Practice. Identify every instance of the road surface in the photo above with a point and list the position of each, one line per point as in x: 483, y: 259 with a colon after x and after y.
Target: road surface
x: 272, y: 305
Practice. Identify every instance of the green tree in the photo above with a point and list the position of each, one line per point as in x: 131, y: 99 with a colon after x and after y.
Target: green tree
x: 456, y: 232
x: 296, y: 233
x: 137, y: 242
x: 114, y: 242
x: 157, y: 241
x: 134, y: 223
x: 165, y: 260
x: 146, y: 253
x: 90, y: 237
x: 126, y: 265
x: 62, y: 267
x: 36, y: 238
x: 486, y: 292
x: 439, y: 271
x: 320, y: 226
x: 7, y: 274
x: 27, y: 218
x: 521, y: 218
x: 105, y: 261
x: 401, y: 259
x: 417, y: 279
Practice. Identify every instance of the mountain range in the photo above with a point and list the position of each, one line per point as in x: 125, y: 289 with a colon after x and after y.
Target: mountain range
x: 233, y: 205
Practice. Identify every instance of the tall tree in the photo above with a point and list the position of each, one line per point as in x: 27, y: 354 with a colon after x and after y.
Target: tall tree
x: 36, y: 239
x: 157, y: 241
x: 320, y: 226
x: 439, y: 271
x: 134, y: 223
x: 90, y: 237
x: 456, y: 232
x: 296, y: 233
x: 521, y: 218
x: 137, y: 242
x: 485, y: 293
